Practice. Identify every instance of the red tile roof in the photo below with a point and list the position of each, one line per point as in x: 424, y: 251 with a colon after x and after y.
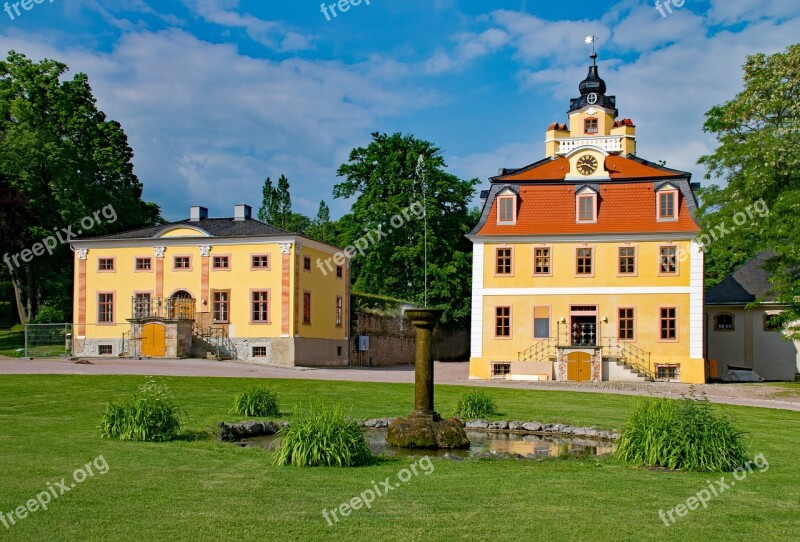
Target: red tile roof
x: 545, y: 209
x: 619, y: 167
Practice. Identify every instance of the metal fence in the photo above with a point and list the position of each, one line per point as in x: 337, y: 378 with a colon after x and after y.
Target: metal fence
x: 48, y: 340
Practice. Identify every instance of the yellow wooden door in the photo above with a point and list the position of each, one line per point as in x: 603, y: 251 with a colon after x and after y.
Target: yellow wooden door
x: 154, y: 341
x: 579, y: 367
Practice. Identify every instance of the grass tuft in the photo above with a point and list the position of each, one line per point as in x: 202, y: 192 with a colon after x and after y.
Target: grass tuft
x: 323, y: 436
x: 151, y: 415
x: 475, y: 404
x: 256, y: 402
x: 684, y: 434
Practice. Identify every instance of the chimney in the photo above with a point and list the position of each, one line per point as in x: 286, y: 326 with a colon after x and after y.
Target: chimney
x: 242, y: 212
x: 196, y: 214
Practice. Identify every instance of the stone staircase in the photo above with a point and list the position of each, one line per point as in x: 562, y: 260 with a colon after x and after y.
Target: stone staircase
x: 212, y: 342
x: 626, y: 372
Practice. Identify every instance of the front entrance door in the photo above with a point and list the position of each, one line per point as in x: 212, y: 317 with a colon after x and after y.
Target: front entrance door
x: 583, y: 325
x: 579, y: 367
x: 154, y: 341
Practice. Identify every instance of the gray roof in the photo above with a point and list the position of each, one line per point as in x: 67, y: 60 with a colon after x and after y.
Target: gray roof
x: 216, y: 227
x: 747, y: 284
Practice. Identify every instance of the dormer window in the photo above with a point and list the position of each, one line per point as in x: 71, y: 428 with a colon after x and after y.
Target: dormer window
x: 586, y: 206
x: 667, y: 203
x: 590, y: 126
x: 507, y: 209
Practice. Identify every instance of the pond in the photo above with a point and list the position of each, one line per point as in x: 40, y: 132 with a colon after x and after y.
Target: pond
x: 483, y: 444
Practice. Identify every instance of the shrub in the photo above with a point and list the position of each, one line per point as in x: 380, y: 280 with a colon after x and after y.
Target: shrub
x: 684, y: 434
x: 256, y: 402
x: 323, y: 437
x: 475, y: 404
x: 151, y: 415
x: 49, y: 314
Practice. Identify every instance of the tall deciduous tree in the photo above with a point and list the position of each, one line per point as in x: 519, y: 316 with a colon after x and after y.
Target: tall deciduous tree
x: 759, y: 155
x: 60, y: 160
x: 269, y: 203
x: 283, y: 200
x: 387, y: 177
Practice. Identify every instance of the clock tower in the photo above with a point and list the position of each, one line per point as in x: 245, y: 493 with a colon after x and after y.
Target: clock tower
x: 593, y: 133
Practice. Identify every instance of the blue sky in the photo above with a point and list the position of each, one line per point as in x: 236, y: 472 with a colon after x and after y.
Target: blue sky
x: 215, y: 95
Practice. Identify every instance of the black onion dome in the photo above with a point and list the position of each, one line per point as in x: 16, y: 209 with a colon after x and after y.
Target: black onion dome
x: 592, y: 83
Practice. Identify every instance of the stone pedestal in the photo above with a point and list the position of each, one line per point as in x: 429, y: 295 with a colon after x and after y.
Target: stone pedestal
x: 424, y: 428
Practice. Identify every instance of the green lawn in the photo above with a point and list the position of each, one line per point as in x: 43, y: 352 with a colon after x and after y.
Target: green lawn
x: 202, y: 490
x: 11, y: 339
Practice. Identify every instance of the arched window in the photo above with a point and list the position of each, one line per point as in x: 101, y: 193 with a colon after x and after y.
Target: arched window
x: 723, y: 322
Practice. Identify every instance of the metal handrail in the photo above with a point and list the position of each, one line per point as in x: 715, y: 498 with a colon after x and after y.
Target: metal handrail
x: 168, y: 308
x: 632, y: 355
x: 539, y: 351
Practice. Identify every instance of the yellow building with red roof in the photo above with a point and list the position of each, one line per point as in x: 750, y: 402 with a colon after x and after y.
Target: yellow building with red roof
x: 585, y: 263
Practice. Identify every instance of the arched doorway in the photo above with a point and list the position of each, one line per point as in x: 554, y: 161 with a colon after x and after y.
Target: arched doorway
x: 154, y: 340
x: 579, y: 367
x: 181, y: 306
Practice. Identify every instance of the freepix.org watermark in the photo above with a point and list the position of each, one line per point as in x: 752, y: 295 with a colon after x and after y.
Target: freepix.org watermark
x: 54, y: 491
x: 342, y: 5
x: 664, y: 8
x: 12, y: 8
x: 714, y: 489
x: 50, y: 243
x: 372, y: 237
x: 367, y: 497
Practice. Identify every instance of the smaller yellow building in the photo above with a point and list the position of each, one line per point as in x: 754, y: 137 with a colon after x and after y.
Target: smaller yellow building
x: 233, y: 288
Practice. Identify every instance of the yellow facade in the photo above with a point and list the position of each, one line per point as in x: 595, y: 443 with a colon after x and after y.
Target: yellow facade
x: 279, y: 302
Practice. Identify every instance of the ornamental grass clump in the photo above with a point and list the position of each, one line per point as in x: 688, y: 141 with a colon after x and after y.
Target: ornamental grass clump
x: 323, y: 437
x: 685, y: 434
x: 151, y: 415
x: 475, y: 404
x: 256, y: 402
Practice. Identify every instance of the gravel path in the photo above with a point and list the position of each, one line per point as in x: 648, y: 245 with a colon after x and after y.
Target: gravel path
x: 758, y: 395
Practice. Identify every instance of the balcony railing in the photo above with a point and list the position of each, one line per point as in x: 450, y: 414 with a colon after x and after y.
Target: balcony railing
x: 167, y: 308
x: 607, y: 143
x: 578, y: 335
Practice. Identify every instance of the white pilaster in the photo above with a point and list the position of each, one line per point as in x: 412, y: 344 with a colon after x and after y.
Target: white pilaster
x: 696, y: 301
x: 476, y: 338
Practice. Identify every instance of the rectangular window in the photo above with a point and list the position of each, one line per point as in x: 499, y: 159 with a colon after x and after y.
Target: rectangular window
x: 668, y: 260
x: 627, y: 260
x: 590, y: 126
x: 143, y: 264
x: 259, y: 351
x: 666, y: 204
x: 626, y: 330
x: 221, y: 306
x: 669, y: 323
x: 306, y: 263
x: 771, y: 323
x: 339, y: 310
x: 307, y: 307
x: 541, y: 322
x: 260, y: 306
x: 585, y: 208
x: 505, y: 208
x: 221, y: 262
x: 339, y: 272
x: 501, y: 369
x: 105, y: 308
x: 183, y: 262
x: 141, y: 305
x: 584, y: 261
x: 105, y: 349
x: 105, y: 264
x: 502, y: 326
x: 541, y: 261
x: 260, y: 261
x: 503, y: 261
x: 667, y: 372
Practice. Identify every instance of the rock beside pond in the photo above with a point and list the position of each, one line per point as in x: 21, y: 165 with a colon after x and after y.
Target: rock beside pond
x: 499, y: 425
x: 237, y: 431
x: 516, y: 426
x: 532, y: 426
x: 426, y: 433
x: 477, y: 424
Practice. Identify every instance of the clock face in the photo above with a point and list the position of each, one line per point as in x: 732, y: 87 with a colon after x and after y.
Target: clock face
x: 587, y: 164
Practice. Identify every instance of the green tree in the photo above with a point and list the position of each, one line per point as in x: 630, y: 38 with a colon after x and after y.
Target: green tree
x: 759, y: 156
x: 320, y: 228
x: 269, y: 203
x: 387, y: 177
x: 60, y: 160
x: 283, y: 200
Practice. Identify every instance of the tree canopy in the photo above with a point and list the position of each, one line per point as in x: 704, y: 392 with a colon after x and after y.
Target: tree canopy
x: 759, y: 156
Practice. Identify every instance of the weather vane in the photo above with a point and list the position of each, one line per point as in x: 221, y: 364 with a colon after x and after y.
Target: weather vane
x: 590, y: 39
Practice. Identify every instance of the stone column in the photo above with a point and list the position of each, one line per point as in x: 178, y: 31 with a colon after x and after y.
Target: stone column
x: 424, y: 320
